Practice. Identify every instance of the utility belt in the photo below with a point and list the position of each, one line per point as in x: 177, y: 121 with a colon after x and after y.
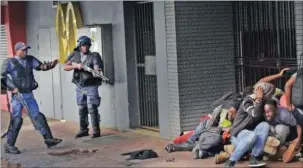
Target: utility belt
x: 25, y: 86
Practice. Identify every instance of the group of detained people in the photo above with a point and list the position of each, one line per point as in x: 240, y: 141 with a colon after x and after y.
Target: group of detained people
x: 241, y: 124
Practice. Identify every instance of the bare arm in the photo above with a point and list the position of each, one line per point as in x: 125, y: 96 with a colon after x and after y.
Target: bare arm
x: 299, y: 138
x: 68, y: 66
x: 288, y: 88
x: 273, y: 77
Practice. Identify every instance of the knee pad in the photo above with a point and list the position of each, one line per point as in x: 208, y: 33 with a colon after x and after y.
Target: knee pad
x: 92, y: 109
x: 40, y: 116
x: 16, y: 123
x: 83, y: 110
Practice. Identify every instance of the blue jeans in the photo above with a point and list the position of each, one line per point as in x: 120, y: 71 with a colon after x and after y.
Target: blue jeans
x: 30, y: 101
x: 197, y: 132
x: 88, y: 95
x: 247, y: 140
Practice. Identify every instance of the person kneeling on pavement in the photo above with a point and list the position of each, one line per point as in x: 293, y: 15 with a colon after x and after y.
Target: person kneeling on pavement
x: 280, y: 120
x: 210, y: 140
x: 231, y: 100
x: 249, y: 131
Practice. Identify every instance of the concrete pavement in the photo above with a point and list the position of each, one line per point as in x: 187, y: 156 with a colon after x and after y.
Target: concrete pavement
x: 110, y: 147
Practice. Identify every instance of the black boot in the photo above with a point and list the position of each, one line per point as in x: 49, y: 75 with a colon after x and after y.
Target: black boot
x: 12, y: 135
x: 44, y: 129
x: 95, y: 119
x: 83, y: 116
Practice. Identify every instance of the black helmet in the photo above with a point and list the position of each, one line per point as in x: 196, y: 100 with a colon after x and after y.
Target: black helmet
x: 84, y: 40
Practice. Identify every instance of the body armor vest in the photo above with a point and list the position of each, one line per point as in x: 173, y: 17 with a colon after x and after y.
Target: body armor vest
x: 24, y: 80
x: 81, y: 77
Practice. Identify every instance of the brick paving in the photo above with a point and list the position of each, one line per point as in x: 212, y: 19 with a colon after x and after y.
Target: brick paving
x: 102, y: 152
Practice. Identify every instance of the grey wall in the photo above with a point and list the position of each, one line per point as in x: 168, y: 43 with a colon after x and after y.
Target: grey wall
x: 162, y: 68
x: 205, y: 56
x: 114, y: 105
x: 172, y: 69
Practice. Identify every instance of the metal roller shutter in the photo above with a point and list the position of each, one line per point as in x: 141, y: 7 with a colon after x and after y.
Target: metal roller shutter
x: 3, y: 45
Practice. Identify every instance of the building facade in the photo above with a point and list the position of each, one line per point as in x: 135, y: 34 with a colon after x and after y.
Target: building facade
x: 169, y: 60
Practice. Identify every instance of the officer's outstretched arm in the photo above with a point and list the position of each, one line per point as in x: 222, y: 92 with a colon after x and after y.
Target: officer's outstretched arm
x: 39, y: 66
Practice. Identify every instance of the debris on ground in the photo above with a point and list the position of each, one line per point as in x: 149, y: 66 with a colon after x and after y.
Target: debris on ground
x: 171, y: 159
x: 71, y: 151
x: 7, y: 164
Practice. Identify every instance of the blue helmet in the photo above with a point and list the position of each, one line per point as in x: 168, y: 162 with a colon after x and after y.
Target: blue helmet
x: 84, y: 40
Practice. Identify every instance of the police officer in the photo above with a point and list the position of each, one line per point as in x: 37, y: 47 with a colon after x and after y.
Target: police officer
x: 17, y: 73
x: 88, y: 98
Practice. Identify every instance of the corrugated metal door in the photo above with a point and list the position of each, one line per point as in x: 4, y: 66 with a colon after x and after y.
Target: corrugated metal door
x: 146, y: 53
x: 3, y: 45
x: 265, y: 40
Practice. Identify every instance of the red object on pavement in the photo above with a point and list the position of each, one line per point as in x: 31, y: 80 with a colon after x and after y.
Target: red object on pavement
x: 183, y: 138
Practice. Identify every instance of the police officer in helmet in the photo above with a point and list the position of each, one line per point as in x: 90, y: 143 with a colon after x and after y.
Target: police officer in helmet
x: 88, y: 98
x: 17, y: 74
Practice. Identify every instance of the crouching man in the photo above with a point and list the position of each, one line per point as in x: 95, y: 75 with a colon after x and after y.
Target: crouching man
x: 248, y: 132
x: 17, y: 73
x: 280, y: 120
x: 221, y: 117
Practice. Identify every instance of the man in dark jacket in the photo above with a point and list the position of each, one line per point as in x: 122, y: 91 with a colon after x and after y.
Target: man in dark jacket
x: 248, y: 131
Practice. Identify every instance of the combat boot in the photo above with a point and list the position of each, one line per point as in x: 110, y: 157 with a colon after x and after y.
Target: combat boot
x: 44, y: 129
x: 83, y: 117
x: 12, y: 135
x: 95, y: 119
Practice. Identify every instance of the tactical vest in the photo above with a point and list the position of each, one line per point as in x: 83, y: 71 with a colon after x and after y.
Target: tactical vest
x: 81, y: 77
x: 24, y: 79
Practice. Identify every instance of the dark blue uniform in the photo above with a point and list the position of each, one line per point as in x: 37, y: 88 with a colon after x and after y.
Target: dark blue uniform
x: 12, y: 74
x: 88, y: 98
x: 18, y: 73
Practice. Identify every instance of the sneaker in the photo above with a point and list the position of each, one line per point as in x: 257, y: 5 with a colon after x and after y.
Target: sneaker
x: 229, y: 164
x: 221, y: 157
x: 229, y: 149
x: 169, y: 148
x: 254, y: 162
x: 195, y: 152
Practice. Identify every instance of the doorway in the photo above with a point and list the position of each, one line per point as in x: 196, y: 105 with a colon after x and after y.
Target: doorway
x: 145, y: 64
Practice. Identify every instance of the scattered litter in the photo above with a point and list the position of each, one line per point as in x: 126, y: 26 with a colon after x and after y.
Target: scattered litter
x: 171, y: 159
x: 71, y: 151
